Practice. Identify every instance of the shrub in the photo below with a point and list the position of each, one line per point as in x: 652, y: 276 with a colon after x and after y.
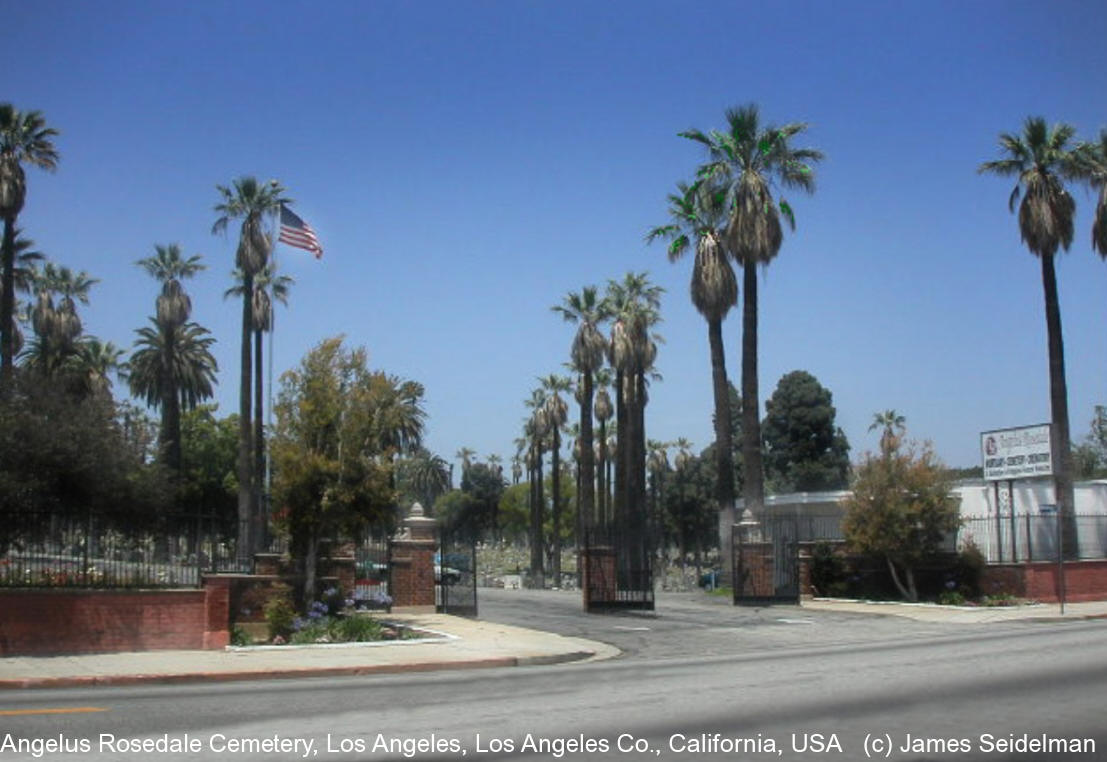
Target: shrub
x: 356, y: 629
x: 279, y: 613
x: 951, y: 598
x: 828, y: 570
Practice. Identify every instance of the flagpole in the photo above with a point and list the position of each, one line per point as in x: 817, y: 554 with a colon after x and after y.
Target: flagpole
x: 269, y: 384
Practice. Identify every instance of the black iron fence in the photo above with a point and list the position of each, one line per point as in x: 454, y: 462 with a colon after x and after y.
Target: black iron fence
x: 1029, y: 537
x: 40, y: 549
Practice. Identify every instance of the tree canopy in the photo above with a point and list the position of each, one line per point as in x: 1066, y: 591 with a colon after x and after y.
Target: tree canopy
x: 804, y: 450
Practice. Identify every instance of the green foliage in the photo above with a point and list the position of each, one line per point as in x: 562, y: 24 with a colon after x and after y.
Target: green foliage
x: 65, y: 453
x: 513, y: 514
x: 900, y: 510
x: 339, y: 426
x: 239, y: 636
x: 828, y: 571
x: 484, y: 486
x: 279, y: 613
x: 804, y: 450
x: 951, y: 598
x: 209, y: 448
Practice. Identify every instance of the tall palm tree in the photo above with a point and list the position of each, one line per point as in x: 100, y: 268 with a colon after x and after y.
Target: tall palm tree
x: 268, y: 286
x: 604, y: 410
x: 556, y: 412
x: 1094, y: 160
x: 634, y: 303
x: 891, y: 425
x: 698, y: 218
x: 465, y: 455
x: 25, y: 259
x: 24, y: 139
x: 173, y: 309
x: 427, y: 476
x: 587, y: 311
x: 535, y: 430
x: 1040, y: 159
x: 252, y: 202
x: 746, y: 160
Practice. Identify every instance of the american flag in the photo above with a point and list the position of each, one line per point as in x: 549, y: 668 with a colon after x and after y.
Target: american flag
x: 296, y: 232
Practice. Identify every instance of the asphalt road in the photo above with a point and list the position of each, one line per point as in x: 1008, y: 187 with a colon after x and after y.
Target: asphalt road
x: 855, y: 683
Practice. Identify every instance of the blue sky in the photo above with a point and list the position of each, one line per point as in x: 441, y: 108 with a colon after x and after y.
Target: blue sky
x: 467, y: 164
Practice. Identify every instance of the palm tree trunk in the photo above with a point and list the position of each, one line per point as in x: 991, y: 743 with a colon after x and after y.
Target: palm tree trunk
x: 622, y: 448
x: 753, y: 488
x: 261, y: 525
x: 601, y: 480
x: 1059, y: 408
x: 587, y: 472
x: 245, y: 432
x: 724, y: 452
x: 7, y: 307
x: 556, y: 466
x: 170, y: 434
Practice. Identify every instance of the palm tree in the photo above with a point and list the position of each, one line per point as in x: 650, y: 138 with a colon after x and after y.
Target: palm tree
x: 604, y: 410
x: 587, y: 310
x: 250, y: 201
x: 172, y: 366
x: 556, y: 411
x: 535, y: 430
x: 1040, y: 159
x: 427, y: 476
x: 465, y: 455
x: 25, y: 259
x: 24, y: 139
x: 745, y: 161
x: 267, y: 287
x: 634, y: 304
x: 57, y: 327
x: 893, y: 425
x: 173, y: 309
x: 699, y: 215
x: 1094, y: 160
x: 96, y: 361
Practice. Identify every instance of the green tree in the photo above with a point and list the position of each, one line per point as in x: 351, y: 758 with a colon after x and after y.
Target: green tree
x: 423, y: 478
x: 535, y: 431
x: 587, y: 311
x: 252, y: 202
x: 804, y: 450
x: 24, y: 139
x: 172, y: 366
x: 207, y: 484
x: 331, y: 473
x: 514, y: 514
x: 556, y: 413
x: 173, y: 309
x: 1040, y: 159
x: 900, y: 511
x: 25, y: 259
x: 699, y: 217
x: 746, y: 160
x: 1093, y: 167
x: 57, y: 325
x: 484, y: 487
x: 635, y: 306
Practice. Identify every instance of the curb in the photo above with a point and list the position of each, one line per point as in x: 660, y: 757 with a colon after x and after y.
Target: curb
x: 284, y: 674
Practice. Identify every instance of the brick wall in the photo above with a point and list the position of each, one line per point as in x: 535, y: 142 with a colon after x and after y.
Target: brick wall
x: 1084, y: 581
x: 57, y: 621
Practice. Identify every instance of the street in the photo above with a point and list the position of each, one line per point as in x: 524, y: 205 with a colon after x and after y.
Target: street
x: 700, y: 679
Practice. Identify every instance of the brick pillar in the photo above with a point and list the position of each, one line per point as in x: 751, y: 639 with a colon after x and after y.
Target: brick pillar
x: 598, y: 581
x: 413, y: 563
x: 217, y: 605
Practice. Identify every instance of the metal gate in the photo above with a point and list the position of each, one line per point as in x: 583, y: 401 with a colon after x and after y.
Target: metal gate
x: 455, y: 573
x: 373, y: 571
x: 616, y: 570
x: 766, y: 561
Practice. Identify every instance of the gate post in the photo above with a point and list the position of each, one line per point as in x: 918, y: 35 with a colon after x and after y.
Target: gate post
x: 413, y: 563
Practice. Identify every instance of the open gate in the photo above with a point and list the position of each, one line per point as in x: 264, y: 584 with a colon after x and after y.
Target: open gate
x: 766, y: 561
x: 455, y: 573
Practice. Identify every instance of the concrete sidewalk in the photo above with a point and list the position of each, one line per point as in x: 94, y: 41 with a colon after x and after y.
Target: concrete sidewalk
x: 456, y: 643
x: 929, y: 612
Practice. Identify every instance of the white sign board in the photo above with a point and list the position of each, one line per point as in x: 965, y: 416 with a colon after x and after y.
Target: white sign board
x: 1017, y: 453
